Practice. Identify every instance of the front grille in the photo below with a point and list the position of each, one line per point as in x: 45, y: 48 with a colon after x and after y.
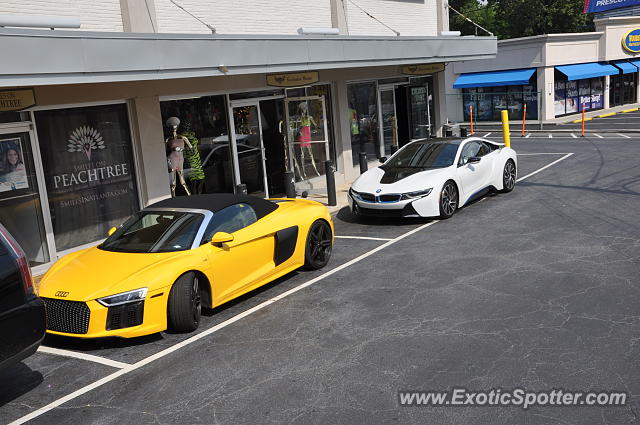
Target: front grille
x: 67, y: 316
x: 125, y: 315
x: 368, y: 197
x: 394, y: 197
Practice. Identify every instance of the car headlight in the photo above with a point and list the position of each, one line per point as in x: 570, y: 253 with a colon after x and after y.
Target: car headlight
x: 415, y: 195
x: 355, y: 195
x: 124, y: 298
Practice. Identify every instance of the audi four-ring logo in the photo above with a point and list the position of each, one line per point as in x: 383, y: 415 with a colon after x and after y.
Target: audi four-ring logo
x: 62, y: 294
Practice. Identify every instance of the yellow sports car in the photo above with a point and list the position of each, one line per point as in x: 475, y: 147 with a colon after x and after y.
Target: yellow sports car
x: 160, y: 267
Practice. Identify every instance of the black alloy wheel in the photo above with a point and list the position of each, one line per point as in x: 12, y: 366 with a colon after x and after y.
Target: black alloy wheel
x: 185, y: 303
x: 509, y: 176
x: 448, y: 200
x: 319, y: 245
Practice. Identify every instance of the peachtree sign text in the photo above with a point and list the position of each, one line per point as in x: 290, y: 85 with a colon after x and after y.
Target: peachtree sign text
x: 591, y: 6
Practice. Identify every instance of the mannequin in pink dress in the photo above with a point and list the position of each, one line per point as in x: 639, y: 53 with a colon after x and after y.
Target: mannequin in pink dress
x: 175, y: 158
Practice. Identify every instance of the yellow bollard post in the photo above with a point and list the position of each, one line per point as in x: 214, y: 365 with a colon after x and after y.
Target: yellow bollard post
x: 505, y: 128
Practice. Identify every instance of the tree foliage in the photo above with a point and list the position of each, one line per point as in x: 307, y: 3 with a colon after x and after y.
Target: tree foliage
x: 521, y: 18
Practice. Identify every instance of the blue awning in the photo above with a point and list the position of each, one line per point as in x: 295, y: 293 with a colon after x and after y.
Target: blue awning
x: 511, y: 77
x: 626, y: 67
x: 587, y: 70
x: 635, y: 62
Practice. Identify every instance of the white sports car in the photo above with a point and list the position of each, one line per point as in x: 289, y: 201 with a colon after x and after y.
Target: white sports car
x: 429, y: 178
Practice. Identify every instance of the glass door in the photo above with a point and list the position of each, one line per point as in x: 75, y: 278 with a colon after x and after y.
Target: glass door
x: 20, y: 204
x: 307, y: 142
x: 388, y: 121
x: 248, y: 147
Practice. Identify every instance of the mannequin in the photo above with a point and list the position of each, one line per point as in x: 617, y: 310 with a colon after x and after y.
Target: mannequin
x: 175, y: 158
x: 303, y: 138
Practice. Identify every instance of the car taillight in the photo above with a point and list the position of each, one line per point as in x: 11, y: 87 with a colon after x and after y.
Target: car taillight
x: 21, y: 260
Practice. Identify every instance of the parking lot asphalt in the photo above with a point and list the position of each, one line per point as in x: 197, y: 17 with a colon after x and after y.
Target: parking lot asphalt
x: 536, y: 289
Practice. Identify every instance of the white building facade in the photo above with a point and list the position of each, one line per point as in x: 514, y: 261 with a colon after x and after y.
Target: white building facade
x: 555, y: 75
x: 85, y: 109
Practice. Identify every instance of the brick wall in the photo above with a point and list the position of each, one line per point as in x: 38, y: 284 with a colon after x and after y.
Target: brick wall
x: 95, y: 15
x: 243, y: 17
x: 409, y: 17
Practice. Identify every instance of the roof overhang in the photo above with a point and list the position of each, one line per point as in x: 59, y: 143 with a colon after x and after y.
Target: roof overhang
x: 36, y: 57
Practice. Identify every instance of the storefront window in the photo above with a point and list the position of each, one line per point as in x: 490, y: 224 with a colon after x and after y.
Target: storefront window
x: 570, y: 96
x: 89, y: 171
x: 363, y: 118
x: 6, y: 117
x: 584, y: 90
x: 421, y: 101
x: 20, y: 210
x: 623, y: 89
x: 204, y: 122
x: 560, y: 97
x: 573, y: 99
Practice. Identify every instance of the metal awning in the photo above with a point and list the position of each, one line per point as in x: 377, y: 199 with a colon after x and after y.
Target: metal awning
x: 626, y: 67
x: 587, y: 70
x: 40, y: 57
x: 512, y: 77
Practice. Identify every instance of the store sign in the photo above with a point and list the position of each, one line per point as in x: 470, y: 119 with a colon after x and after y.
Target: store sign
x: 88, y: 167
x: 425, y: 69
x: 295, y: 79
x: 631, y: 41
x: 591, y: 6
x: 16, y: 100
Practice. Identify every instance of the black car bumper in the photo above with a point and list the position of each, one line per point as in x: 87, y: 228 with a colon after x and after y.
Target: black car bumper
x: 22, y: 329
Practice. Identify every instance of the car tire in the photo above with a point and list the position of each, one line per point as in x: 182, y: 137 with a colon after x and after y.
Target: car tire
x: 185, y: 304
x: 509, y: 175
x: 318, y: 245
x: 448, y: 199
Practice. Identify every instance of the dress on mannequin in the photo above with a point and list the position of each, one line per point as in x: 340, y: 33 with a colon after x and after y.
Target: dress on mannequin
x: 175, y: 157
x: 303, y: 139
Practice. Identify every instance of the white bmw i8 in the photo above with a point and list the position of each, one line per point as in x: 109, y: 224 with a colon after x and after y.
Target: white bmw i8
x: 431, y: 178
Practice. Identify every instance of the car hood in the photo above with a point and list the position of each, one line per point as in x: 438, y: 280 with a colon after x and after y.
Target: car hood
x: 399, y: 180
x: 94, y: 273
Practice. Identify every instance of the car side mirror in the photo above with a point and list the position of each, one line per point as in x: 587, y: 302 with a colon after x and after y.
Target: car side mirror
x: 111, y: 231
x: 221, y: 237
x: 383, y: 160
x: 473, y: 160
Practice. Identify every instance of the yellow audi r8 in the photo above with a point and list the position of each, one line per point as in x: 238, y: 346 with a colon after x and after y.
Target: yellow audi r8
x: 158, y: 269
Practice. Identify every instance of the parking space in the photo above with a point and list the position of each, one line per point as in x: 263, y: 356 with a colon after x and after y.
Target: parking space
x: 535, y: 288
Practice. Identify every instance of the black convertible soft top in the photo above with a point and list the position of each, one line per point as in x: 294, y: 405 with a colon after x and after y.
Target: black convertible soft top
x: 216, y: 202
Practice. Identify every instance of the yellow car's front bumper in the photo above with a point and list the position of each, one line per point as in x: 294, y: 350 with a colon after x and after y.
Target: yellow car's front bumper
x: 91, y: 319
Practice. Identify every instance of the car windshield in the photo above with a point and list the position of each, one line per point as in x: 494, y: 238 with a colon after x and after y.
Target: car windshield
x: 424, y: 155
x: 155, y: 231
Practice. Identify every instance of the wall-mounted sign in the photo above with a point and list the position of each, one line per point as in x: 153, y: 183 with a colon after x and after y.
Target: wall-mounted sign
x: 591, y: 6
x: 631, y: 41
x: 429, y: 68
x: 16, y: 100
x: 89, y: 172
x: 294, y: 79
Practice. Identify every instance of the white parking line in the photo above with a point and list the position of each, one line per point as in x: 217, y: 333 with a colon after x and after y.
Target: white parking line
x: 527, y: 136
x: 83, y: 356
x: 487, y: 135
x: 598, y: 136
x: 545, y: 153
x: 624, y: 135
x: 219, y: 326
x: 574, y: 136
x: 362, y: 237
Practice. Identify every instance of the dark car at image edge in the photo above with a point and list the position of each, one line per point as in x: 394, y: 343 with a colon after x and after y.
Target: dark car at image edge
x: 22, y: 314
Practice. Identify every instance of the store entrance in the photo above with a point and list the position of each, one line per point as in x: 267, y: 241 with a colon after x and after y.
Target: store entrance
x: 258, y: 144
